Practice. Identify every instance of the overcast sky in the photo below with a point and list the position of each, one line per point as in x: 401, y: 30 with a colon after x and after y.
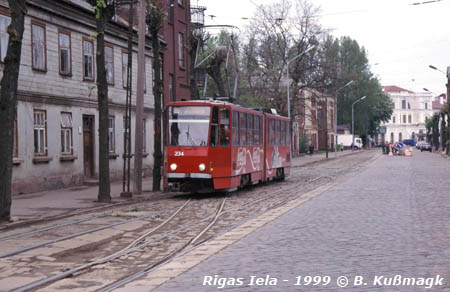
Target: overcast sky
x: 401, y: 39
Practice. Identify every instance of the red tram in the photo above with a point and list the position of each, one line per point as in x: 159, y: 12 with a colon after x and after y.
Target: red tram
x: 219, y: 146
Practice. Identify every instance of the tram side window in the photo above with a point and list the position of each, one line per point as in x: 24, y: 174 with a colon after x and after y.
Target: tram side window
x: 249, y: 129
x: 214, y: 127
x: 243, y: 128
x: 224, y: 132
x: 278, y: 132
x: 283, y: 133
x: 288, y: 133
x: 272, y: 132
x: 235, y: 128
x: 256, y: 131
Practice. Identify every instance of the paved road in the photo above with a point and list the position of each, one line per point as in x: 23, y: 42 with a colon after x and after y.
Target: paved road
x: 391, y: 219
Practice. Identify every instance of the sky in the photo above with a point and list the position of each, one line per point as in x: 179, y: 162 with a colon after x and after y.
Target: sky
x: 401, y: 39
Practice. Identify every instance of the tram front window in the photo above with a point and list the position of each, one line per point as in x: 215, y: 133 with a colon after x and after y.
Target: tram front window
x: 188, y: 125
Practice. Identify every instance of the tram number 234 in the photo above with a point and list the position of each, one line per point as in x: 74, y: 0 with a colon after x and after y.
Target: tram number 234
x: 179, y: 153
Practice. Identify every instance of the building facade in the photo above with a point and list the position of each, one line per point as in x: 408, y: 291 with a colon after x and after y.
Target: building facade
x: 176, y: 32
x: 411, y: 111
x: 56, y: 140
x: 315, y: 120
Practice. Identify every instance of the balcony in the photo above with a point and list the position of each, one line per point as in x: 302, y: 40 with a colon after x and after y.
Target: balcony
x: 198, y: 16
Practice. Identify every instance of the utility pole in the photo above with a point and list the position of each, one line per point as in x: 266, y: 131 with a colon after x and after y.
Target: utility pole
x: 126, y: 193
x: 137, y: 186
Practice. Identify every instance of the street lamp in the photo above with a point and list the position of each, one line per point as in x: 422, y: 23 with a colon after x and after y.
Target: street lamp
x: 335, y: 115
x: 287, y: 76
x: 353, y: 119
x: 448, y: 79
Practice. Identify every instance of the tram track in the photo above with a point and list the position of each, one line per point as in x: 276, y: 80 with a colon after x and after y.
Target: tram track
x: 258, y: 200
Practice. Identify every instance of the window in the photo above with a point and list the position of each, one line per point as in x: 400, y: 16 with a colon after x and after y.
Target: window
x: 40, y: 132
x: 171, y: 97
x: 224, y: 132
x: 124, y: 69
x: 170, y: 8
x: 403, y: 104
x: 181, y: 50
x: 242, y: 128
x: 16, y: 137
x: 64, y: 53
x: 235, y: 133
x: 88, y: 59
x: 409, y: 119
x: 111, y: 135
x: 214, y: 127
x: 409, y: 105
x: 66, y: 133
x: 144, y: 137
x: 404, y: 119
x: 393, y: 119
x: 249, y: 129
x: 256, y: 131
x: 38, y: 46
x: 277, y: 132
x: 400, y: 138
x: 271, y: 132
x: 109, y: 63
x: 5, y: 21
x: 426, y: 105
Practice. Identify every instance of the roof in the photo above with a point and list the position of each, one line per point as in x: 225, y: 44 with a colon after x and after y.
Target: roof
x: 395, y: 89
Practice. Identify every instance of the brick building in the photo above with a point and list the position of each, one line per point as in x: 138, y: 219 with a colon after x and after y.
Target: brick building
x: 315, y: 119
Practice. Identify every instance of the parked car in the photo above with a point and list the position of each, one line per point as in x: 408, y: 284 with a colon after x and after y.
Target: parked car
x: 410, y: 142
x: 418, y: 144
x: 425, y: 146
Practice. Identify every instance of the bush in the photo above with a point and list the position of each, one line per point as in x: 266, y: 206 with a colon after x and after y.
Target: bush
x: 303, y: 144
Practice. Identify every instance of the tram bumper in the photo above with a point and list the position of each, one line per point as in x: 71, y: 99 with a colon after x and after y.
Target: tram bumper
x: 190, y: 182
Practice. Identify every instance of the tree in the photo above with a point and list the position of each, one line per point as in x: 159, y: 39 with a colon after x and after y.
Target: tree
x: 435, y: 128
x: 104, y: 11
x: 8, y: 102
x: 154, y: 20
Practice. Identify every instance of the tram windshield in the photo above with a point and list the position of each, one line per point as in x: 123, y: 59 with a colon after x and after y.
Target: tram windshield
x: 188, y: 125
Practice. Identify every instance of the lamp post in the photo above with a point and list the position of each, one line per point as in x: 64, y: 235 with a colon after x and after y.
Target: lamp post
x: 448, y: 79
x: 287, y: 76
x: 287, y: 85
x: 335, y: 115
x: 353, y: 120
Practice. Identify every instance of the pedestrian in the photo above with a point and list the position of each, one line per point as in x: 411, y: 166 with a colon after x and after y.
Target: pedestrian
x: 311, y: 149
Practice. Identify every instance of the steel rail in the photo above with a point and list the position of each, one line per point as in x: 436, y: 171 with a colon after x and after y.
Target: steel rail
x: 103, y: 260
x: 17, y: 235
x: 150, y: 267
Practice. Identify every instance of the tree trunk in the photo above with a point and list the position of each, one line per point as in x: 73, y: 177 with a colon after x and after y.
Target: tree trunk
x: 214, y: 70
x: 8, y: 101
x: 104, y: 190
x: 436, y: 132
x: 157, y: 91
x: 443, y: 130
x: 193, y: 53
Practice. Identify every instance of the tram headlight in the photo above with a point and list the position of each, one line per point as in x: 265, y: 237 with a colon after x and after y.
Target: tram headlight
x: 173, y: 167
x: 201, y: 167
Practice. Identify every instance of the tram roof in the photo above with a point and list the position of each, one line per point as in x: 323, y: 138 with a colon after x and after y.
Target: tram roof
x: 221, y: 101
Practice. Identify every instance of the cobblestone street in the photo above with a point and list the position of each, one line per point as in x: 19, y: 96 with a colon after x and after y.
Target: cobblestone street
x: 391, y: 219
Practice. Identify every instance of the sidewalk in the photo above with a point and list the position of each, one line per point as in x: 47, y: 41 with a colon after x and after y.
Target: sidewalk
x: 65, y: 202
x: 70, y: 201
x: 308, y: 159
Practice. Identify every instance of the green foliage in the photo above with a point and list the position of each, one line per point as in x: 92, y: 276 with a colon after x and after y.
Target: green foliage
x: 345, y: 61
x: 303, y: 144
